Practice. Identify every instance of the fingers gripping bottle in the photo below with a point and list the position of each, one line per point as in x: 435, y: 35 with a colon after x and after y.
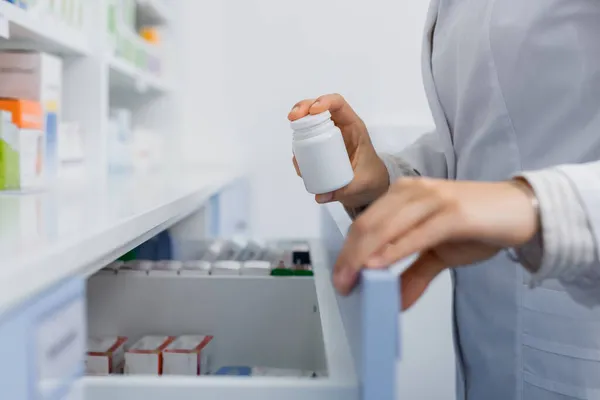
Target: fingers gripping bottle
x: 321, y: 154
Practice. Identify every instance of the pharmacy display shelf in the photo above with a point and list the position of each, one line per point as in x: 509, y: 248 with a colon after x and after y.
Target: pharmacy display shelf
x: 27, y: 30
x: 126, y: 76
x: 76, y: 230
x: 153, y: 12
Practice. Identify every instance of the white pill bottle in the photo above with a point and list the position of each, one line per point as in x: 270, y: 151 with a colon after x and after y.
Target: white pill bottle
x: 319, y: 148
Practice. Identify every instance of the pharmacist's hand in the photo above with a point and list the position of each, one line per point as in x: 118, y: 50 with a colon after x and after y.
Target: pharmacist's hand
x: 371, y: 178
x: 449, y: 223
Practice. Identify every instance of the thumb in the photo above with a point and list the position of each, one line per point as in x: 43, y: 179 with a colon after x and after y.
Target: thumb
x: 417, y: 278
x: 339, y: 195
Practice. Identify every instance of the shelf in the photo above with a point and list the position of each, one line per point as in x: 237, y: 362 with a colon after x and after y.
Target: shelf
x: 76, y: 230
x: 29, y: 31
x: 126, y: 76
x: 153, y: 12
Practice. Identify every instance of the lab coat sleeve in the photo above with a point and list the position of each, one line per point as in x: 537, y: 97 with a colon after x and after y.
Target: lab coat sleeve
x: 569, y: 241
x: 424, y: 157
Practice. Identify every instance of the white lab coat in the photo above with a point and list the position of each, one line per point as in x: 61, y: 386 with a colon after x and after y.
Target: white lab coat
x: 515, y: 86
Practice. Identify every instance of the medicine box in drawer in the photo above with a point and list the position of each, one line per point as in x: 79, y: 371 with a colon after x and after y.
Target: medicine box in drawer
x: 299, y: 324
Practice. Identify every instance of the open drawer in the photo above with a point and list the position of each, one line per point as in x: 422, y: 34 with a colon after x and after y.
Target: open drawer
x: 298, y: 323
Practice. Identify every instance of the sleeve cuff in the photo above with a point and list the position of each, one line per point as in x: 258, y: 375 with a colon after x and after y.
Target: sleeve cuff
x: 397, y: 168
x: 565, y: 248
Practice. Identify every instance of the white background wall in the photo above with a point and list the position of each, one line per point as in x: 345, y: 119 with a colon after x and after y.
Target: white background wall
x: 251, y: 60
x: 255, y: 58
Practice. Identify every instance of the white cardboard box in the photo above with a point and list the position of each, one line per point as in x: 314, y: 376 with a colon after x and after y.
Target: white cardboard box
x: 256, y: 268
x: 105, y: 356
x: 189, y: 355
x: 31, y: 76
x: 226, y: 268
x: 145, y: 357
x: 36, y: 76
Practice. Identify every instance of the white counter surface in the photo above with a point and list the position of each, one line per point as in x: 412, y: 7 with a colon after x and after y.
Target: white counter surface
x: 77, y: 229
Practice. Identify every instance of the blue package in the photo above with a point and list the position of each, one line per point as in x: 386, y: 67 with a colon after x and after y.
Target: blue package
x: 52, y: 144
x: 164, y: 246
x: 234, y: 371
x: 157, y: 248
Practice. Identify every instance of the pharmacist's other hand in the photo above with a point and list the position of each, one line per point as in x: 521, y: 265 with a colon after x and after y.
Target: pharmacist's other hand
x: 449, y: 223
x: 371, y: 178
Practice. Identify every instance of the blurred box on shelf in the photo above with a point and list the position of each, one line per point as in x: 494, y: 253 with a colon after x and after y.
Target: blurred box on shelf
x: 196, y: 268
x: 189, y: 355
x: 69, y: 12
x: 282, y: 372
x: 148, y: 149
x: 70, y: 144
x: 226, y: 268
x: 128, y: 12
x: 265, y: 372
x: 38, y: 77
x: 166, y: 268
x: 137, y: 267
x: 112, y: 268
x: 150, y: 34
x: 256, y: 268
x: 234, y: 371
x: 120, y: 141
x: 22, y: 148
x: 146, y: 356
x: 105, y: 356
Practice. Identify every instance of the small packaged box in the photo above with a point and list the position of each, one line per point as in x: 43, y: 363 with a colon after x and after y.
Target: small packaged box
x: 191, y: 268
x: 214, y: 249
x: 112, y: 268
x: 22, y: 145
x: 234, y: 371
x: 265, y: 372
x: 301, y: 254
x: 105, y: 356
x: 254, y: 251
x: 232, y: 249
x: 189, y: 355
x: 226, y: 268
x: 38, y: 77
x: 166, y: 268
x: 281, y: 372
x: 256, y: 268
x: 139, y: 267
x: 145, y: 357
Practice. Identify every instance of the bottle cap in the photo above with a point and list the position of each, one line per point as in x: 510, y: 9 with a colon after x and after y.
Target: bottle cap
x: 310, y: 121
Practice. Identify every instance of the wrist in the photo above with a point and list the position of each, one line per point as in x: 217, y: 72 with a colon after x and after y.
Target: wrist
x: 534, y: 205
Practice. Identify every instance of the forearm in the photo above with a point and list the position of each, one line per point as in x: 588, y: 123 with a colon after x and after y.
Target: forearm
x: 424, y: 157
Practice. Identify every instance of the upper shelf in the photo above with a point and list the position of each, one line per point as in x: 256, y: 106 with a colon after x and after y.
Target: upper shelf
x: 29, y: 31
x: 76, y: 230
x: 153, y: 12
x: 124, y: 75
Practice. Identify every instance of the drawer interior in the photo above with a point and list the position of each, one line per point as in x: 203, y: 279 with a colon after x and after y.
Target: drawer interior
x: 256, y: 321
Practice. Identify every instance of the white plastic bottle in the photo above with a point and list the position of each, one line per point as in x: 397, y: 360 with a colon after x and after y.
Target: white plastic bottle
x: 321, y: 154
